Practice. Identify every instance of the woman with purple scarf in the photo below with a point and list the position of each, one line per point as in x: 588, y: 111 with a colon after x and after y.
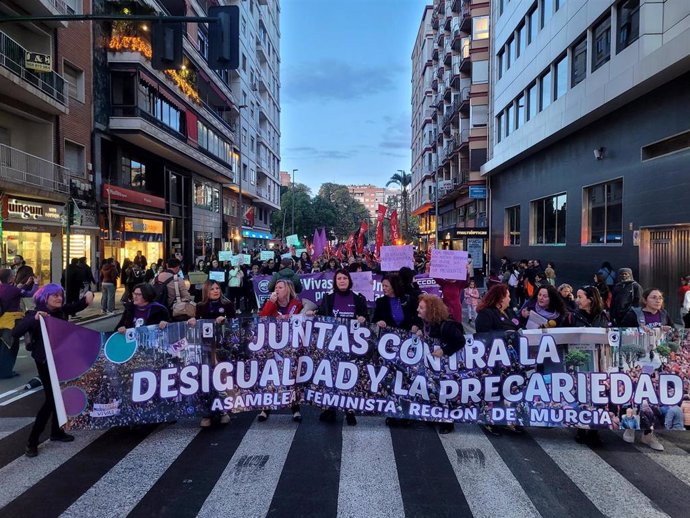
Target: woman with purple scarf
x: 50, y: 301
x: 143, y: 310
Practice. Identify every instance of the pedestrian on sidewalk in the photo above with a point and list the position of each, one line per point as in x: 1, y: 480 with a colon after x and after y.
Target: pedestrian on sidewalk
x: 108, y: 279
x: 50, y: 301
x: 10, y: 312
x: 472, y: 300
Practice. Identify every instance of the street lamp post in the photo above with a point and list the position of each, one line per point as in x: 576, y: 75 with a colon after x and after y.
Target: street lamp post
x: 239, y: 178
x: 436, y: 209
x: 293, y: 200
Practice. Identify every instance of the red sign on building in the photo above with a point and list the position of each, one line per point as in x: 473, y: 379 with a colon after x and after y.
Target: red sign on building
x: 129, y: 196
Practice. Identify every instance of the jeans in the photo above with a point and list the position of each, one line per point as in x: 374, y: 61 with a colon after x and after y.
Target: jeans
x: 108, y: 296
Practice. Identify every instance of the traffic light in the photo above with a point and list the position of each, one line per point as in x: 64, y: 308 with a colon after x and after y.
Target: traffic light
x: 224, y: 37
x: 166, y: 45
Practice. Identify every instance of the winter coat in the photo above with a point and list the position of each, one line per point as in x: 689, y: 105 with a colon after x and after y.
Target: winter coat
x: 287, y: 274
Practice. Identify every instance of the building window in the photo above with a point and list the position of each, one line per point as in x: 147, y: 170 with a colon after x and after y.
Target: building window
x: 500, y: 63
x: 532, y: 18
x: 561, y: 86
x: 479, y: 115
x: 532, y: 102
x: 134, y: 172
x: 510, y: 52
x: 206, y: 197
x: 628, y: 23
x: 75, y: 81
x: 512, y: 226
x: 548, y: 220
x: 74, y: 157
x: 546, y: 11
x: 545, y: 90
x: 604, y: 213
x: 499, y: 127
x: 579, y: 62
x: 510, y: 119
x: 520, y: 114
x: 480, y: 27
x: 73, y: 6
x: 202, y: 38
x: 601, y: 52
x: 480, y: 71
x: 521, y: 39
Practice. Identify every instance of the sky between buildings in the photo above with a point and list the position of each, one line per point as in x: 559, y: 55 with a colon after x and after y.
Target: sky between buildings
x: 345, y: 93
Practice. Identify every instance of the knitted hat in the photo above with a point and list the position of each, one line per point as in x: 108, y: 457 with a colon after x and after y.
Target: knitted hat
x: 621, y: 271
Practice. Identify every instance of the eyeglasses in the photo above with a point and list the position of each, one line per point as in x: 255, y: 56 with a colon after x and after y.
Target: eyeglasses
x: 138, y: 293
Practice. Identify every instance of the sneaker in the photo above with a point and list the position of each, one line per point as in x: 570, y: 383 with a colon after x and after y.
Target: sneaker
x: 263, y: 415
x: 224, y: 419
x: 31, y: 451
x: 629, y: 436
x: 651, y: 441
x: 350, y: 419
x: 62, y: 437
x: 205, y: 422
x: 297, y: 417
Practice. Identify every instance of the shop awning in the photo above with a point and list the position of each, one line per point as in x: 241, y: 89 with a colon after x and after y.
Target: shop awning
x: 136, y: 212
x: 255, y: 234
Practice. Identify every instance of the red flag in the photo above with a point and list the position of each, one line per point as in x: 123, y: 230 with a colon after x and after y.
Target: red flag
x: 350, y: 243
x: 360, y: 238
x: 380, y: 214
x: 339, y: 253
x: 395, y: 228
x: 249, y: 216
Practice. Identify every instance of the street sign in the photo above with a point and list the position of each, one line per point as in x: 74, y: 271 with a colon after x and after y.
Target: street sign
x: 477, y: 191
x: 38, y: 62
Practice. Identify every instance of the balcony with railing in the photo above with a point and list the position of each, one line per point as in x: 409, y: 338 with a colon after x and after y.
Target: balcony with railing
x: 42, y: 90
x: 48, y: 8
x: 31, y: 172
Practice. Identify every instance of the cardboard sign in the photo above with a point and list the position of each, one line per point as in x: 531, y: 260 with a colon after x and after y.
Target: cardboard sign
x: 299, y: 251
x: 217, y: 276
x: 267, y: 255
x: 395, y: 257
x: 362, y: 283
x: 225, y: 256
x: 292, y: 240
x: 448, y: 264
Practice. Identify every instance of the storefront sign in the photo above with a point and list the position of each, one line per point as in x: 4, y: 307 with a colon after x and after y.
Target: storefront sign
x: 146, y: 226
x: 38, y: 62
x: 475, y: 247
x: 477, y: 191
x: 138, y: 198
x: 256, y: 234
x: 464, y: 232
x: 33, y: 211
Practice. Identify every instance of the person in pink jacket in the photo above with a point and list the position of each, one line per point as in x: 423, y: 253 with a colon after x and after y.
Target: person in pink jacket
x: 472, y: 299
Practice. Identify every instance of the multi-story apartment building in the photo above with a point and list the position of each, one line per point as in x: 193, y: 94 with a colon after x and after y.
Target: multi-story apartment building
x: 371, y: 196
x: 450, y: 64
x: 591, y: 136
x: 177, y: 150
x: 45, y: 127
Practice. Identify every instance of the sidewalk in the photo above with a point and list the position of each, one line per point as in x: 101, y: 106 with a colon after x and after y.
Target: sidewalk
x: 94, y: 311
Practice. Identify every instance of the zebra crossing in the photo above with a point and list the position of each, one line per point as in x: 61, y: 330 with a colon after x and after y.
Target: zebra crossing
x: 282, y: 468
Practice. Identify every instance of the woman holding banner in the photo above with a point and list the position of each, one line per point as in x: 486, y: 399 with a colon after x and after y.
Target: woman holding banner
x: 342, y: 302
x: 436, y: 323
x: 49, y: 300
x: 282, y: 303
x: 494, y: 313
x: 213, y: 306
x: 394, y: 309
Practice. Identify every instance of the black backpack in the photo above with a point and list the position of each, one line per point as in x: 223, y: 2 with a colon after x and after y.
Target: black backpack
x: 161, y: 289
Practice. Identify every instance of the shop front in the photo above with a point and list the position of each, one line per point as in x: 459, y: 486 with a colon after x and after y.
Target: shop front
x: 35, y: 231
x: 472, y: 240
x: 133, y: 229
x: 254, y: 238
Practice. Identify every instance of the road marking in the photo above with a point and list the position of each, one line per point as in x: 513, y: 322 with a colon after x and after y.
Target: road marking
x: 130, y: 479
x: 247, y: 484
x: 369, y: 484
x: 20, y: 396
x: 480, y: 470
x: 9, y: 425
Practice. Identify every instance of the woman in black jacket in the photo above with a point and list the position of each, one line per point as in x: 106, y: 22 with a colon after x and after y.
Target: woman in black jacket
x: 494, y: 313
x: 143, y: 310
x: 342, y: 302
x: 436, y: 323
x: 49, y: 301
x: 395, y: 309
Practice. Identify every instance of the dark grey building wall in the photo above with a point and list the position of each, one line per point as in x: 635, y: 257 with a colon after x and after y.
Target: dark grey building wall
x: 656, y: 192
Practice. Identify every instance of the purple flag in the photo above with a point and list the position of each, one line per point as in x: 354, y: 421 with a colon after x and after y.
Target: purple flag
x: 318, y: 246
x: 324, y: 239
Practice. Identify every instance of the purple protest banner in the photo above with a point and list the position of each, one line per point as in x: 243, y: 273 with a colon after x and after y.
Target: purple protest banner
x: 427, y: 284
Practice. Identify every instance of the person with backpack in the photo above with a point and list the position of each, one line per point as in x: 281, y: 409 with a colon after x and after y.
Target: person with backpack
x: 436, y: 323
x: 134, y: 275
x: 167, y: 284
x: 626, y: 294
